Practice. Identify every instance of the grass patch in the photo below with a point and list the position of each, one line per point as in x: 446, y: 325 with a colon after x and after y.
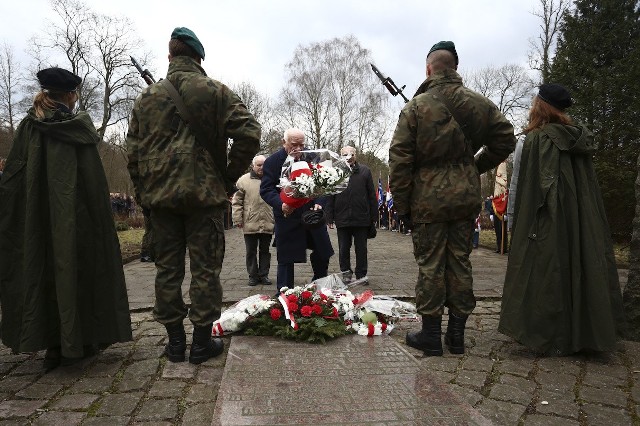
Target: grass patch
x: 130, y: 242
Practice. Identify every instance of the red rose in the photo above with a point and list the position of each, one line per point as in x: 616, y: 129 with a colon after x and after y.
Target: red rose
x: 317, y: 309
x: 275, y: 313
x: 293, y: 307
x: 295, y: 327
x: 323, y: 296
x: 371, y: 329
x: 306, y: 294
x: 384, y: 326
x: 335, y: 312
x: 292, y: 298
x: 355, y: 301
x: 306, y: 311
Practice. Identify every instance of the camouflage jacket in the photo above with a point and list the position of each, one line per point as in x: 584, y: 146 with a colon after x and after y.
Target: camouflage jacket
x: 432, y: 169
x: 167, y: 166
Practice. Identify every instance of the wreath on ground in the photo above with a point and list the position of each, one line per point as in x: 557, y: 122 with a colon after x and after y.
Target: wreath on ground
x: 312, y: 314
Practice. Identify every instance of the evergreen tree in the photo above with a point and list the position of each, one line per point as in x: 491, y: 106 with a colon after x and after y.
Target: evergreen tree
x: 597, y: 59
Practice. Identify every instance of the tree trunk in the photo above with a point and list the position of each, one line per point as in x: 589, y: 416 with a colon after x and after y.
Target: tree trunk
x: 631, y: 297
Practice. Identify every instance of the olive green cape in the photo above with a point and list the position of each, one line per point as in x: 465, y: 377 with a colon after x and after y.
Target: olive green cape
x: 61, y: 277
x: 561, y: 290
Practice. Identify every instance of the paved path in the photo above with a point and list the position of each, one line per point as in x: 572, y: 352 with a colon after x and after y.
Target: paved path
x: 130, y: 384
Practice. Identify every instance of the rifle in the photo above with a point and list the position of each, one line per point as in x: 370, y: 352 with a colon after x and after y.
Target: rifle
x: 389, y: 84
x: 145, y: 74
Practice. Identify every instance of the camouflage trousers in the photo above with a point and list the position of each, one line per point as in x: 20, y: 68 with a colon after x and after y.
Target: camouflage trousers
x: 444, y: 270
x: 201, y: 231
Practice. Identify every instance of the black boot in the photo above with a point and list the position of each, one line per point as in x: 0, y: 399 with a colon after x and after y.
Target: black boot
x: 177, y: 345
x: 454, y: 338
x: 429, y: 339
x: 203, y: 346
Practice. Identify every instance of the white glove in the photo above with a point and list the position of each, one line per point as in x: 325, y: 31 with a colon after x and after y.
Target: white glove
x: 491, y: 217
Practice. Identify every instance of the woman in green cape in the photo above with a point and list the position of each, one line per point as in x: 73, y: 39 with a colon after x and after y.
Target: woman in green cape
x: 561, y: 291
x: 62, y: 285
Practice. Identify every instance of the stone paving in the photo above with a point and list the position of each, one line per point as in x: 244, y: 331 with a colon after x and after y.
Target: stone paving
x: 130, y: 384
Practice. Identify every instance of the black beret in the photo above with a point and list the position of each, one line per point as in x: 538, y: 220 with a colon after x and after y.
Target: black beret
x: 58, y: 79
x: 555, y: 95
x: 189, y: 38
x: 444, y: 45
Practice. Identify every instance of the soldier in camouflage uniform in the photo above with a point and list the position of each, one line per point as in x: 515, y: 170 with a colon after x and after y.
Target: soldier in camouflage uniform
x: 184, y: 181
x: 436, y: 183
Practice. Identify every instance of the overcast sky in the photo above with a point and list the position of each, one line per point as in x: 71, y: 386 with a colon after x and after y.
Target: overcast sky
x: 252, y: 40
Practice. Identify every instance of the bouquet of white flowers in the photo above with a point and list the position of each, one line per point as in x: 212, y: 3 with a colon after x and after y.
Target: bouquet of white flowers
x: 312, y: 173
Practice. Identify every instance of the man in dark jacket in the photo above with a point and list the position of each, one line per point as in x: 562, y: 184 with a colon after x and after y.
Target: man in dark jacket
x: 437, y: 190
x: 291, y: 238
x: 181, y: 172
x: 353, y: 211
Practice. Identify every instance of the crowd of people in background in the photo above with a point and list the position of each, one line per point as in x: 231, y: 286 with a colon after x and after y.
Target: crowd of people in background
x: 122, y: 205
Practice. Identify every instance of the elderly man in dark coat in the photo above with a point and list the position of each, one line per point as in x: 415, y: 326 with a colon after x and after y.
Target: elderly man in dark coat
x: 292, y: 239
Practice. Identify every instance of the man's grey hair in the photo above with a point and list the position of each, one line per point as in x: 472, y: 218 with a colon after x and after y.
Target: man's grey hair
x: 253, y: 162
x: 289, y: 132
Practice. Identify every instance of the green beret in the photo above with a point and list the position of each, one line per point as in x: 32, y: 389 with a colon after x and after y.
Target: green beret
x: 189, y: 38
x: 445, y: 45
x: 58, y: 79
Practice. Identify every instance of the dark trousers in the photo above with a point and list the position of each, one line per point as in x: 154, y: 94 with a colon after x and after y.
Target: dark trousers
x: 258, y: 256
x: 357, y: 235
x: 285, y: 276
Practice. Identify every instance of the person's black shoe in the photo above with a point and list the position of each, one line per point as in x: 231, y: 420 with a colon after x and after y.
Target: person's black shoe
x: 266, y: 281
x: 203, y: 346
x: 253, y: 282
x: 52, y: 358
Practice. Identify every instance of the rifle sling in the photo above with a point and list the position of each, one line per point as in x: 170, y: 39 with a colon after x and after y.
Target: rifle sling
x: 454, y: 113
x: 182, y: 108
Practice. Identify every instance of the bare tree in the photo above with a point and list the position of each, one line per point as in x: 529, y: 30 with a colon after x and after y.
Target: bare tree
x: 509, y: 87
x: 333, y: 93
x: 112, y: 40
x: 96, y: 47
x: 540, y: 56
x: 263, y: 109
x: 10, y: 81
x: 67, y: 36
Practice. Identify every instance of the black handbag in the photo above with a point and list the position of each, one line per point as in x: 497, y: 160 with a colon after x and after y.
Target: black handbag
x: 373, y: 231
x: 312, y: 219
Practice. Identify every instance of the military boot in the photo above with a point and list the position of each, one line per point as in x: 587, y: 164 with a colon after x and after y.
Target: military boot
x: 429, y: 339
x: 177, y: 345
x: 203, y: 346
x: 454, y: 338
